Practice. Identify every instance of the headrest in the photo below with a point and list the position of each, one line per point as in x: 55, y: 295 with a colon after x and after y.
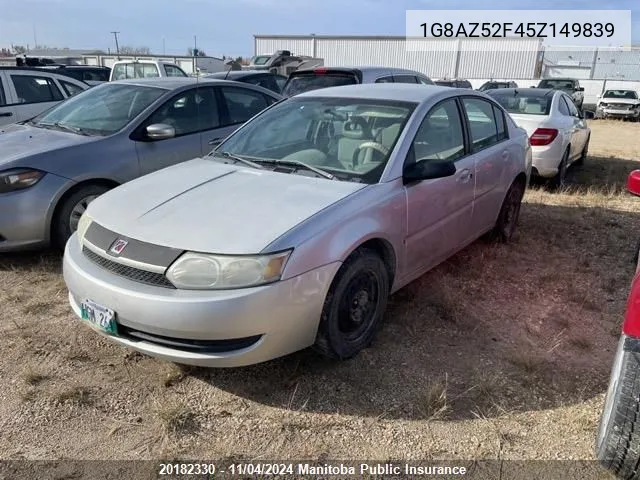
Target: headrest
x: 356, y: 128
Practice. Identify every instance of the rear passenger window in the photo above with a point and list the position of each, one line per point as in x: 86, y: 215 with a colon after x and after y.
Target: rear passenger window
x: 243, y: 104
x: 563, y: 107
x: 482, y: 123
x: 405, y: 79
x: 3, y: 99
x: 32, y: 89
x: 388, y: 79
x: 439, y: 137
x: 500, y: 123
x: 70, y: 88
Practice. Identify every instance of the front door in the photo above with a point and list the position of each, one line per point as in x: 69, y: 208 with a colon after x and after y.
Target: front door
x: 439, y: 211
x: 7, y: 112
x: 190, y: 113
x: 34, y: 93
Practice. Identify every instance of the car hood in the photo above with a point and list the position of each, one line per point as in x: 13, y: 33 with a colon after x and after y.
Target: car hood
x: 206, y: 206
x: 21, y: 141
x: 626, y: 101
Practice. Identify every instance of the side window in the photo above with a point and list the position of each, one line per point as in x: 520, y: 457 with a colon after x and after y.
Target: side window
x: 424, y: 81
x: 440, y: 135
x: 264, y: 81
x: 173, y: 71
x: 70, y: 88
x: 388, y: 79
x: 405, y: 79
x: 119, y: 72
x: 32, y: 89
x: 572, y: 108
x: 500, y: 123
x: 563, y: 107
x: 3, y: 98
x: 146, y: 70
x: 189, y: 112
x: 482, y: 123
x: 242, y: 104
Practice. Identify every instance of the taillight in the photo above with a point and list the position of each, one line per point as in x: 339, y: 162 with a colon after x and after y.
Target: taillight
x: 543, y: 136
x: 320, y: 71
x: 633, y: 182
x: 631, y: 325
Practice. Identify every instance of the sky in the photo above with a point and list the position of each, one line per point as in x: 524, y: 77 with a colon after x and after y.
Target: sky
x: 226, y: 27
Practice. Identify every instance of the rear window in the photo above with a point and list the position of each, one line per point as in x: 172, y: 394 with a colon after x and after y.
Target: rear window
x: 523, y: 103
x: 313, y: 81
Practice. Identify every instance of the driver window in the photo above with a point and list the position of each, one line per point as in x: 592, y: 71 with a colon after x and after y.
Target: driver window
x: 440, y: 135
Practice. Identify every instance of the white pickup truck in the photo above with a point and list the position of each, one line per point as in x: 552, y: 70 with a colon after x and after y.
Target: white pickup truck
x: 125, y: 69
x: 26, y: 92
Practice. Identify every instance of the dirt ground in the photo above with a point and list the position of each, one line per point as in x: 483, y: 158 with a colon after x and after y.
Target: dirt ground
x: 502, y: 352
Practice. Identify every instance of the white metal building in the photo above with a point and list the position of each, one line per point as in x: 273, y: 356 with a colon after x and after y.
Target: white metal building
x: 466, y: 58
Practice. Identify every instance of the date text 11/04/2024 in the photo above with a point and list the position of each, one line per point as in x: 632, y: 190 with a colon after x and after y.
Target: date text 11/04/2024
x: 306, y: 469
x: 529, y: 30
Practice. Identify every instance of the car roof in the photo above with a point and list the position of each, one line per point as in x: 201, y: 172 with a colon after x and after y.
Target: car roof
x: 238, y: 73
x: 172, y: 83
x: 400, y: 92
x: 529, y: 92
x: 363, y: 69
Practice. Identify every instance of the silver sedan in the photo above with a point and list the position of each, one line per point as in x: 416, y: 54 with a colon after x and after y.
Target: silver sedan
x: 296, y: 229
x: 558, y: 131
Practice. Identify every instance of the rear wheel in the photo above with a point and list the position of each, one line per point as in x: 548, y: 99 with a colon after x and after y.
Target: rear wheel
x: 509, y: 213
x: 354, y: 306
x: 70, y: 211
x: 560, y: 180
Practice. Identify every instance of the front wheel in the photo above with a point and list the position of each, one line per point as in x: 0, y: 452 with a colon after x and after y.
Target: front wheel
x: 70, y: 211
x: 354, y: 307
x: 618, y: 441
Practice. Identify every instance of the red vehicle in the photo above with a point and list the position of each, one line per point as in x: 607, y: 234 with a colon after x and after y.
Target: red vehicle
x: 618, y: 441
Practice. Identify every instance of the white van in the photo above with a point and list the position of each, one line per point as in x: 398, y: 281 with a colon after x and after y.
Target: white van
x: 125, y: 69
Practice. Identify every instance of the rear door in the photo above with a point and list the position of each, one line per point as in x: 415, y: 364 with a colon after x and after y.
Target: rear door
x: 579, y: 130
x: 7, y: 110
x: 34, y: 92
x: 488, y: 135
x: 191, y: 113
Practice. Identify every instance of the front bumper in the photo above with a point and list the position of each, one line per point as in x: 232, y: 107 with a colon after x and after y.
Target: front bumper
x: 25, y: 215
x: 619, y: 113
x: 272, y: 320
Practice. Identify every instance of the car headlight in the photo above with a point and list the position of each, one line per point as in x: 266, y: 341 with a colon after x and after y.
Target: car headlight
x: 83, y: 225
x: 603, y: 104
x: 18, y: 179
x: 201, y: 271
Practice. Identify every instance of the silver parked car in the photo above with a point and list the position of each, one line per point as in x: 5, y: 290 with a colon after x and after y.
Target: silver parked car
x: 52, y: 166
x: 558, y: 131
x: 295, y: 230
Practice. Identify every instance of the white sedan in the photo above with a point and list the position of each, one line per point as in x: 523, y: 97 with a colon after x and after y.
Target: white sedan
x: 557, y: 130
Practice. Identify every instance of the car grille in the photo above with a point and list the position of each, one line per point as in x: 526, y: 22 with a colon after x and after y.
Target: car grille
x: 621, y: 106
x: 199, y: 346
x: 135, y: 274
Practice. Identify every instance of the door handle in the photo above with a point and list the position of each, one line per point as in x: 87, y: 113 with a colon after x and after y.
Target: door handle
x: 215, y: 141
x: 465, y: 175
x: 6, y: 114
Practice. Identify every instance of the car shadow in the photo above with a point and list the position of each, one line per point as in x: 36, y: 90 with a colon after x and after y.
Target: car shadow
x: 498, y: 328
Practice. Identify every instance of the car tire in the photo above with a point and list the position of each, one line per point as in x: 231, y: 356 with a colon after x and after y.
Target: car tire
x: 509, y: 214
x: 350, y: 319
x: 560, y: 179
x: 585, y: 152
x: 69, y: 212
x: 618, y: 439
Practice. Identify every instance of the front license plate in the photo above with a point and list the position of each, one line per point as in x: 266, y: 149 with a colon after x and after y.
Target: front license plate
x: 99, y: 316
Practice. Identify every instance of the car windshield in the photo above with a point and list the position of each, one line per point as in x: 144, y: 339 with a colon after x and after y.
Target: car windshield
x: 626, y: 94
x: 261, y: 60
x: 349, y: 138
x: 304, y: 83
x: 101, y: 110
x: 522, y: 103
x: 557, y: 84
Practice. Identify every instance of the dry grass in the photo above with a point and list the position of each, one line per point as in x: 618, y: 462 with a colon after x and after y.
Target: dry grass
x: 525, y: 333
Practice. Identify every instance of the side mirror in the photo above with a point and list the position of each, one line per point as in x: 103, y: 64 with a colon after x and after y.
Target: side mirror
x: 589, y: 115
x: 633, y: 182
x: 427, y: 169
x: 160, y: 131
x: 580, y: 89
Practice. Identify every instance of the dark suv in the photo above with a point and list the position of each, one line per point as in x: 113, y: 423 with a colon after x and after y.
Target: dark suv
x: 262, y: 78
x: 454, y: 83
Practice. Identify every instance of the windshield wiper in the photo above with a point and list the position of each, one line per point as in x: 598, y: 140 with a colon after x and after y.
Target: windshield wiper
x: 237, y: 159
x: 62, y: 126
x: 317, y: 170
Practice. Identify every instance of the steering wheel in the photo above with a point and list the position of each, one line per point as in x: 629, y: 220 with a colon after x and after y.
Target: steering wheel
x: 378, y: 147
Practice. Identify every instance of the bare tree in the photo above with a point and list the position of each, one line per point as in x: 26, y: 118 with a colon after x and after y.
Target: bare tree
x: 19, y: 49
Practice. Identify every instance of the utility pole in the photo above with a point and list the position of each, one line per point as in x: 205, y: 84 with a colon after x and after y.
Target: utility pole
x: 35, y: 39
x: 115, y: 35
x: 163, y: 47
